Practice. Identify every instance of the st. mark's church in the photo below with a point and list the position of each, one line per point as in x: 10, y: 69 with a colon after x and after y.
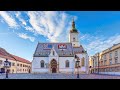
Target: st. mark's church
x: 61, y: 57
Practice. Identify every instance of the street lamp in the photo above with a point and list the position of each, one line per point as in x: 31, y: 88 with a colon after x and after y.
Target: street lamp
x: 7, y: 64
x: 77, y: 64
x: 90, y: 69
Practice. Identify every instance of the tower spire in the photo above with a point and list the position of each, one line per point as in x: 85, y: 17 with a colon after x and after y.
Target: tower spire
x: 73, y: 24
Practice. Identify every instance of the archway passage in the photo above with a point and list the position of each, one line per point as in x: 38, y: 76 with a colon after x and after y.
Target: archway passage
x: 54, y: 66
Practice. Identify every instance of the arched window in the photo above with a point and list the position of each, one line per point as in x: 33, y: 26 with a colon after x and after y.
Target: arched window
x: 83, y: 61
x: 67, y: 64
x: 42, y: 64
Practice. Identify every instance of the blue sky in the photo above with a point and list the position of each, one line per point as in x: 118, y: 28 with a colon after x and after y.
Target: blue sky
x: 20, y: 31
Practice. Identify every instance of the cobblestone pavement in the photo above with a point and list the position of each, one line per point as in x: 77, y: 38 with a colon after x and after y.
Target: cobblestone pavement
x: 58, y: 76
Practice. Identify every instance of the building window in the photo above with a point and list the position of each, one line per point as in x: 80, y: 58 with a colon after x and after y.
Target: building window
x: 73, y: 39
x: 17, y: 64
x: 104, y: 57
x: 23, y: 69
x: 13, y: 71
x: 83, y: 61
x: 42, y: 64
x: 116, y: 60
x: 110, y: 62
x: 110, y: 55
x: 116, y: 53
x: 0, y: 62
x: 67, y: 64
x: 95, y: 63
x: 101, y: 63
x: 13, y: 64
x: 21, y: 65
x: 105, y: 62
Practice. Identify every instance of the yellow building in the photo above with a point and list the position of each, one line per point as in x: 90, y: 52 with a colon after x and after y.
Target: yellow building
x: 18, y: 64
x: 109, y: 61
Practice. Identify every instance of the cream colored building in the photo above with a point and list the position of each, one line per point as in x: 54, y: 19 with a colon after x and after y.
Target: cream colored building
x: 109, y: 61
x: 18, y: 64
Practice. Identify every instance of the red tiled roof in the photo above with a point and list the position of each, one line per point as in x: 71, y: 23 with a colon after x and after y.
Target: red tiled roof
x: 21, y: 59
x: 5, y: 54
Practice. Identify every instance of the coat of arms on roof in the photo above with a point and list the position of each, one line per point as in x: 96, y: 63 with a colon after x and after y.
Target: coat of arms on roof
x: 47, y: 46
x: 62, y: 46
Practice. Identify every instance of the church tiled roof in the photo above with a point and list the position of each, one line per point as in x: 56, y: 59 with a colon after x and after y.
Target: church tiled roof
x: 44, y: 49
x: 62, y: 49
x: 79, y: 49
x: 5, y: 54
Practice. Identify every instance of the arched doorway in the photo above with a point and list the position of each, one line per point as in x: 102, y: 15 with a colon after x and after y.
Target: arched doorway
x: 53, y: 66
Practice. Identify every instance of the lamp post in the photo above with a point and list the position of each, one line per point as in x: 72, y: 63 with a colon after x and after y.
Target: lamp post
x: 7, y: 65
x: 90, y: 69
x: 77, y: 62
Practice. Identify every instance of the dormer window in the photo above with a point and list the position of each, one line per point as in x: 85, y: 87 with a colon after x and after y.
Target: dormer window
x: 53, y: 53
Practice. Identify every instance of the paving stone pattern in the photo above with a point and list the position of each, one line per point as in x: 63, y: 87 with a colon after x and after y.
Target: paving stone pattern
x: 58, y: 76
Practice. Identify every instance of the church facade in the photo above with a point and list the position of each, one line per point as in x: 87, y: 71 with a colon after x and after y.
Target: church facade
x: 61, y: 57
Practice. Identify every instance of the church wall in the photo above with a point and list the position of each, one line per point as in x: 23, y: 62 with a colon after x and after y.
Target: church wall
x: 36, y: 68
x: 84, y: 68
x: 62, y: 67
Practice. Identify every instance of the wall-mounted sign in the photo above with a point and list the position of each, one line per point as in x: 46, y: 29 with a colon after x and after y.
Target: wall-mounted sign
x: 62, y: 46
x: 47, y: 46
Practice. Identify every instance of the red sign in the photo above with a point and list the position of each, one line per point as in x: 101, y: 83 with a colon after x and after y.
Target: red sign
x: 62, y: 46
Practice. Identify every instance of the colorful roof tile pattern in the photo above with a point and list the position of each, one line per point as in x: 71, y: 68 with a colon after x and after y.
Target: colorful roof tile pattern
x: 62, y: 49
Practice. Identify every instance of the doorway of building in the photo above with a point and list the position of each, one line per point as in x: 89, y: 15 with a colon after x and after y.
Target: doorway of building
x: 54, y: 66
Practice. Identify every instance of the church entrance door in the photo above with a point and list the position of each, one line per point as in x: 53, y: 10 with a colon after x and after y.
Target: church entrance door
x: 54, y: 66
x: 53, y: 70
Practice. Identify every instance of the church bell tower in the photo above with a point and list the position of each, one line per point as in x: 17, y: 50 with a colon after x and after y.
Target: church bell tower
x: 73, y: 35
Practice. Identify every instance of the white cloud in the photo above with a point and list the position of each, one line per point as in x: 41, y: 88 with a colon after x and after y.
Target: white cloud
x: 25, y: 36
x: 9, y: 19
x: 29, y: 29
x: 98, y: 44
x: 18, y: 15
x: 52, y: 25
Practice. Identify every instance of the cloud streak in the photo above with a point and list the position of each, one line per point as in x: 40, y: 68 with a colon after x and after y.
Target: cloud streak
x: 98, y: 44
x: 9, y: 19
x: 51, y: 25
x: 25, y: 36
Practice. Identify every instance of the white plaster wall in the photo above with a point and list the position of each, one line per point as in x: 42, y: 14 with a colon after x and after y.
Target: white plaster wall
x: 36, y: 68
x: 75, y: 35
x: 62, y: 68
x: 3, y: 59
x: 86, y: 67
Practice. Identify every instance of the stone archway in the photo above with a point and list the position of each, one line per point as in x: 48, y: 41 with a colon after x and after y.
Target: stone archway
x: 53, y: 66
